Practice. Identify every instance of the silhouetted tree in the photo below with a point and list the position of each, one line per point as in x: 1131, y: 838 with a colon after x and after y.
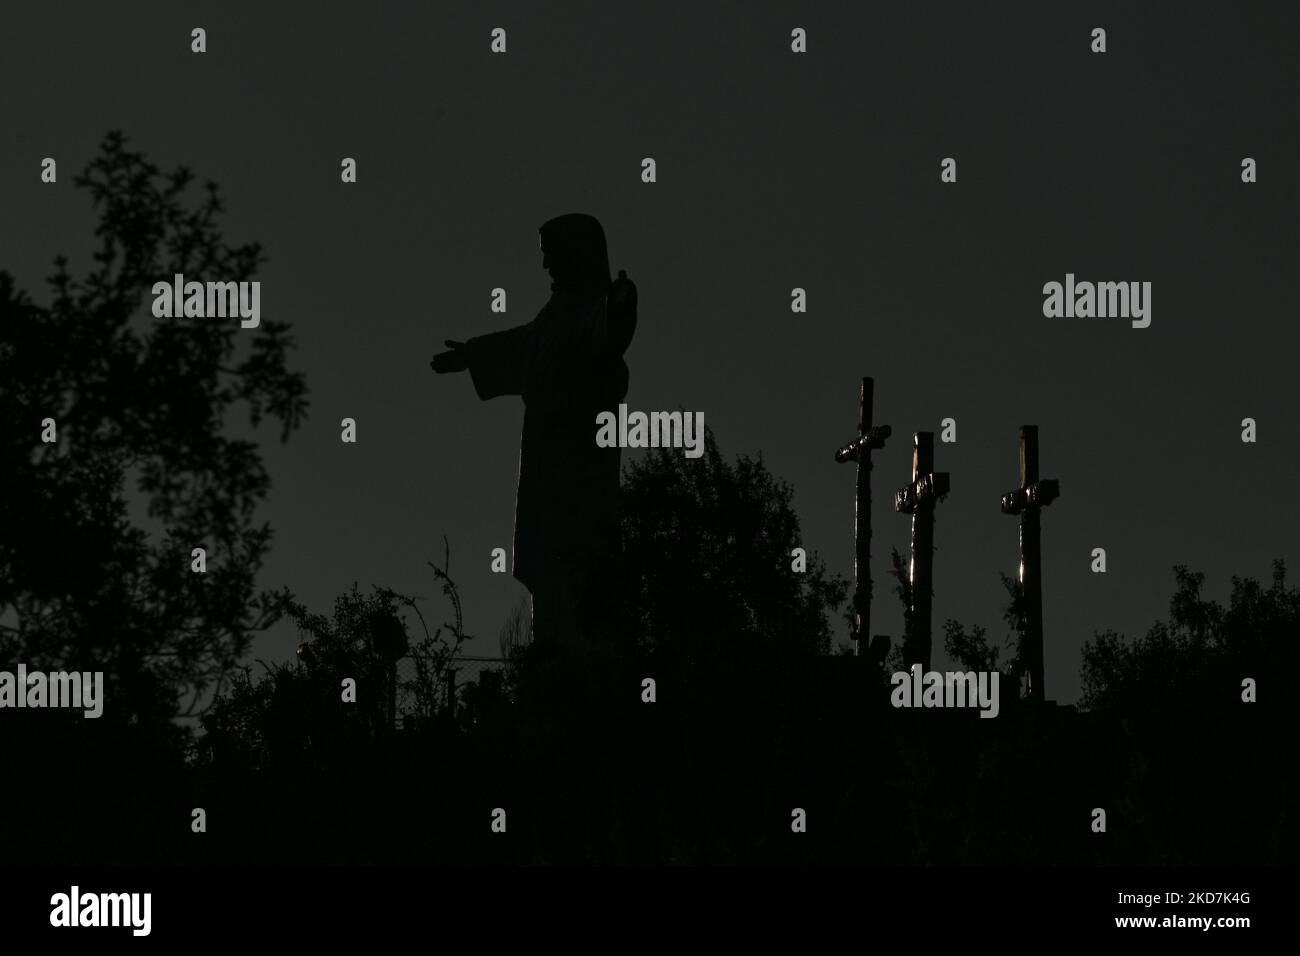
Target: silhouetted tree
x: 141, y: 407
x: 1202, y: 641
x: 972, y: 649
x: 707, y: 547
x: 738, y: 643
x: 1204, y: 777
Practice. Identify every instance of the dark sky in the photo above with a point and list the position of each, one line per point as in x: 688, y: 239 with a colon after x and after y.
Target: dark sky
x: 775, y: 170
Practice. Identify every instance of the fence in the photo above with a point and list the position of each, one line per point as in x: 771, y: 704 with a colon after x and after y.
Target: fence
x: 424, y: 696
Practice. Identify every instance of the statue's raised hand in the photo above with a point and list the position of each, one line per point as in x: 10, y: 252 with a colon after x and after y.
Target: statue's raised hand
x: 455, y: 360
x: 622, y: 293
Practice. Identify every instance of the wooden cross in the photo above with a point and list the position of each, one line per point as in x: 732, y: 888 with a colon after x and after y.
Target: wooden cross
x: 918, y: 499
x: 1026, y: 501
x: 870, y: 437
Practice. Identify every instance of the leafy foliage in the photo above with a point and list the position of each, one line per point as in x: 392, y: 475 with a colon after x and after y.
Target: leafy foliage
x: 141, y: 407
x: 1201, y: 642
x: 707, y: 547
x: 295, y: 712
x: 972, y: 649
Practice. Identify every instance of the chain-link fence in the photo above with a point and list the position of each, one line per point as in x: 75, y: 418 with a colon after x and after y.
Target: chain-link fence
x: 421, y: 694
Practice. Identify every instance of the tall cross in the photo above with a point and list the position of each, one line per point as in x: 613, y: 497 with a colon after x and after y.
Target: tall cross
x: 918, y: 499
x: 1026, y: 501
x: 870, y: 437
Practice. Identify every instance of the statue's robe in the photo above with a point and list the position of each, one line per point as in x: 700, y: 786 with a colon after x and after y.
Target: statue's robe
x: 568, y: 366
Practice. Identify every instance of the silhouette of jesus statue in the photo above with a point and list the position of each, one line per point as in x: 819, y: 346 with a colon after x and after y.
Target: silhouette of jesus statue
x: 567, y: 364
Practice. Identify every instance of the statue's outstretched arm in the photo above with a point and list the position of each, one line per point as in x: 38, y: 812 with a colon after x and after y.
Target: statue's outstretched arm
x: 499, y: 362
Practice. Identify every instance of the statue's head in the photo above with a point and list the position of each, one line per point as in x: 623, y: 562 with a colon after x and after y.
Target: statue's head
x: 574, y: 253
